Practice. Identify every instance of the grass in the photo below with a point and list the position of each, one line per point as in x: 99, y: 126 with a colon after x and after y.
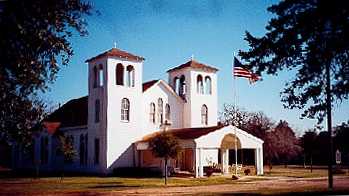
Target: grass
x: 102, y: 184
x: 92, y: 184
x: 297, y: 172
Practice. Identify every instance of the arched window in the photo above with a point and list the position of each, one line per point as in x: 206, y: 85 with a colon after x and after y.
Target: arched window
x: 95, y: 77
x: 44, y: 150
x: 119, y: 74
x: 176, y: 85
x: 167, y: 112
x: 199, y: 85
x: 182, y: 86
x: 208, y: 85
x: 130, y: 76
x: 97, y: 110
x: 152, y: 113
x: 125, y: 109
x: 160, y: 111
x: 100, y: 76
x: 204, y: 115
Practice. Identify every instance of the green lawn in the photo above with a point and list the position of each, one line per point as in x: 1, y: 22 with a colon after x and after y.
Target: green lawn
x: 73, y: 184
x: 101, y: 184
x: 293, y: 171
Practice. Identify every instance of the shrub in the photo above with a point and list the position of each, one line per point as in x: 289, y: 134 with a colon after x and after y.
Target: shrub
x: 209, y: 170
x: 247, y: 171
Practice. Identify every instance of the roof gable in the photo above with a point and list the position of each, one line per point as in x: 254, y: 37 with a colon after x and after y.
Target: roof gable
x: 71, y: 114
x: 150, y: 84
x: 147, y: 85
x: 194, y: 65
x: 114, y: 52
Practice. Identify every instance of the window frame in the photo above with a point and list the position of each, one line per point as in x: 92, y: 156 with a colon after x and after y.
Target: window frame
x: 97, y: 110
x: 204, y: 115
x: 167, y: 112
x: 152, y: 112
x: 125, y: 110
x: 119, y: 74
x: 160, y: 110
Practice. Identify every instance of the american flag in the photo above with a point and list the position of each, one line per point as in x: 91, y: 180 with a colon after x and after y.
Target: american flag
x: 240, y: 71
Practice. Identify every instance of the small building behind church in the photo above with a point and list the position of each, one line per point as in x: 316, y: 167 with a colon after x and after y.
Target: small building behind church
x: 110, y: 127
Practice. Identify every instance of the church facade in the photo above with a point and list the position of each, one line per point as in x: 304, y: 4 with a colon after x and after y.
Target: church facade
x: 110, y: 128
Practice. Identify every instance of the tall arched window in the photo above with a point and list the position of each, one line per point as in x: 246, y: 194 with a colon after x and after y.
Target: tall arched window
x: 130, y: 76
x: 182, y: 86
x: 208, y: 85
x: 204, y: 115
x: 119, y: 74
x: 95, y: 77
x: 199, y: 85
x: 100, y: 76
x: 125, y: 110
x: 160, y: 111
x: 152, y: 113
x: 44, y: 150
x: 82, y: 149
x: 97, y: 110
x: 176, y: 85
x: 167, y: 112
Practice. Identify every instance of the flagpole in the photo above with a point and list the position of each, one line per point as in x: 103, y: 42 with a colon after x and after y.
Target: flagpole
x: 235, y: 115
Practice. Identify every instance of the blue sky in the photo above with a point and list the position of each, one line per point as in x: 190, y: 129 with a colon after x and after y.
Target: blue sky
x: 167, y: 33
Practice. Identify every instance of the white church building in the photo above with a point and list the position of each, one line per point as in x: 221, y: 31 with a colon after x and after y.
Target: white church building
x: 110, y: 128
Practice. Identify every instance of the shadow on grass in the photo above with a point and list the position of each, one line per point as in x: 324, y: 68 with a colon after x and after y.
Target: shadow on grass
x: 114, y: 186
x: 106, y: 185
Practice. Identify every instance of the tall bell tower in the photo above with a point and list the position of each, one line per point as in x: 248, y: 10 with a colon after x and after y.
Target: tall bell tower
x: 115, y: 96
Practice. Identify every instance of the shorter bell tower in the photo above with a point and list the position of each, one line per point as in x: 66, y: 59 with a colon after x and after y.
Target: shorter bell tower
x: 196, y: 83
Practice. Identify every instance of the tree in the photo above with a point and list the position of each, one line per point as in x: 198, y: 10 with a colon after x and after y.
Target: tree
x: 341, y: 140
x: 165, y: 146
x: 258, y: 124
x: 287, y: 143
x: 233, y: 115
x: 308, y: 144
x: 309, y: 37
x: 66, y: 148
x: 34, y: 41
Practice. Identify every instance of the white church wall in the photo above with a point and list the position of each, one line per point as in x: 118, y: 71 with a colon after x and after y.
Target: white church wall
x: 151, y: 96
x: 121, y: 134
x: 198, y: 100
x: 209, y: 156
x: 97, y: 129
x: 186, y: 106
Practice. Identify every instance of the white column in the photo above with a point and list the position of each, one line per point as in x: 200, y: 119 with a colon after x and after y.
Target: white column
x: 256, y: 162
x: 201, y: 167
x: 261, y: 161
x: 225, y: 161
x: 196, y: 158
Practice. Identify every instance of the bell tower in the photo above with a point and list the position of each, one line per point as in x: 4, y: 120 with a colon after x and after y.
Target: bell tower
x: 115, y: 96
x: 196, y: 83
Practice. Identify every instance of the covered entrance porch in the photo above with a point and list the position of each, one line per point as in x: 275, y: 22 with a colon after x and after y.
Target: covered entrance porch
x: 220, y: 147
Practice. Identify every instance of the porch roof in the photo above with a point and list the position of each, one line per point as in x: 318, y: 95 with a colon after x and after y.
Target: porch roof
x: 185, y: 133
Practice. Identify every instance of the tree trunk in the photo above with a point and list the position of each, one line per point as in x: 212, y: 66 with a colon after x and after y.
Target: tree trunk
x: 165, y: 171
x: 304, y: 162
x: 329, y: 124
